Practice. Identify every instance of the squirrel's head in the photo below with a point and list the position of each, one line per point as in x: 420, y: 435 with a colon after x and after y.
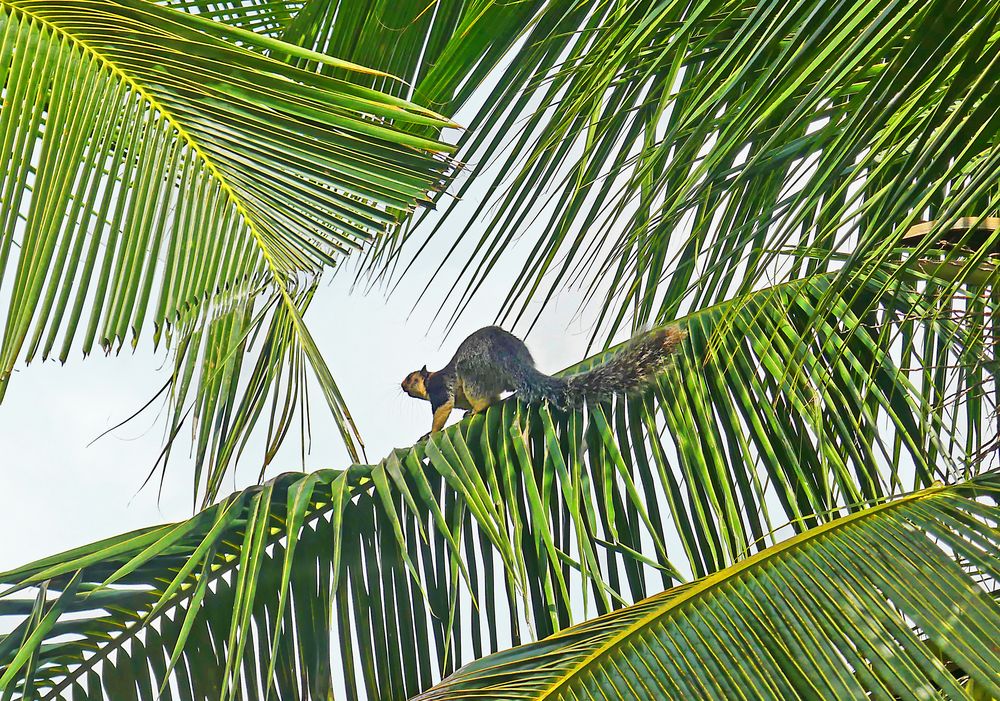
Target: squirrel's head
x: 415, y: 384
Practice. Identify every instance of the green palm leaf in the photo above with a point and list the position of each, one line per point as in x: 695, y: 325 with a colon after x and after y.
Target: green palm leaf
x: 867, y: 606
x: 404, y: 559
x: 269, y: 17
x: 156, y: 167
x: 672, y: 155
x: 222, y: 393
x: 442, y: 50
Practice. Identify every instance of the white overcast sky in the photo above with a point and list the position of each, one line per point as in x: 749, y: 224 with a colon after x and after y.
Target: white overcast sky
x: 57, y: 492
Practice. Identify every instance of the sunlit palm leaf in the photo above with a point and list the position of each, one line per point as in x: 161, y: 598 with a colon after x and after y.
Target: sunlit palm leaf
x: 614, y: 502
x: 153, y: 165
x: 443, y: 49
x: 829, y: 614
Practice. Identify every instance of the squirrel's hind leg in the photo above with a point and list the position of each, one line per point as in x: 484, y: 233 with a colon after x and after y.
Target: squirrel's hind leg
x: 479, y: 394
x: 481, y: 404
x: 461, y: 400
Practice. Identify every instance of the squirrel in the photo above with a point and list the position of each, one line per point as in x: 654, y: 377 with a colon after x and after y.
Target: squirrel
x: 492, y: 361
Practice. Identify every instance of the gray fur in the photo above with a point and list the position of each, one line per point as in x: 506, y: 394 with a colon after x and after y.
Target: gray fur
x: 491, y: 361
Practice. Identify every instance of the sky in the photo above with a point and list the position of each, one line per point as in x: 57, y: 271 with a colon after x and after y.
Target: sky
x: 59, y: 488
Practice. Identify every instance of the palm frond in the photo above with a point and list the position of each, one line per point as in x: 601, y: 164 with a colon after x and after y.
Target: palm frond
x: 154, y: 166
x: 672, y: 155
x: 487, y: 535
x: 441, y: 51
x: 228, y: 371
x: 269, y: 17
x: 872, y: 605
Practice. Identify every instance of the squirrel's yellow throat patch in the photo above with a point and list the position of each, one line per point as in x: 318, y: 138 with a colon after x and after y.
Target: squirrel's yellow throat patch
x: 414, y: 385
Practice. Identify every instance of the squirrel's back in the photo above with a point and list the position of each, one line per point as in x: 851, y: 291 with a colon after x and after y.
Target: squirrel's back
x: 491, y: 361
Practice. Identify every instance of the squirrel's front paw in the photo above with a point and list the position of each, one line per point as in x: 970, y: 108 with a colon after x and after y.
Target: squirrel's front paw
x: 468, y: 413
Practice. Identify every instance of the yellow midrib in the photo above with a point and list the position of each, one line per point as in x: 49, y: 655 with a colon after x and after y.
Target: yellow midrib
x: 276, y: 273
x: 713, y: 580
x: 182, y: 133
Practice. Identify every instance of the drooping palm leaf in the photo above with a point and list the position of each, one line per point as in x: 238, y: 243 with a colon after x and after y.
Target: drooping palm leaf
x: 221, y: 390
x: 673, y: 154
x: 405, y: 560
x: 869, y: 606
x: 157, y: 173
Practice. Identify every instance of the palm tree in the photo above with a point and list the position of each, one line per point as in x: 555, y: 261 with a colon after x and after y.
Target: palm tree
x: 808, y: 188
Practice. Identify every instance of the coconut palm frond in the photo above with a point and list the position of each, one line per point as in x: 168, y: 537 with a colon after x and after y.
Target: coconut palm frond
x: 890, y: 602
x: 488, y: 534
x: 669, y: 156
x: 157, y: 172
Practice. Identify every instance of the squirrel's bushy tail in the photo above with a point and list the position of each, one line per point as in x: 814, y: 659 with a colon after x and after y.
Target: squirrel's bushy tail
x: 629, y: 369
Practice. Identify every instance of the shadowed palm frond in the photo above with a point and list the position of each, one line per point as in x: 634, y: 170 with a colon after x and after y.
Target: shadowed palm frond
x: 268, y: 17
x: 157, y: 175
x: 671, y: 155
x: 515, y: 524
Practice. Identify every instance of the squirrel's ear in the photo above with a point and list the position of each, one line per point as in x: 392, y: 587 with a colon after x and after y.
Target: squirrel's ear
x: 424, y: 370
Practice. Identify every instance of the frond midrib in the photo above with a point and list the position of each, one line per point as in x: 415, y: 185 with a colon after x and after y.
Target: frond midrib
x: 699, y: 587
x: 182, y: 134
